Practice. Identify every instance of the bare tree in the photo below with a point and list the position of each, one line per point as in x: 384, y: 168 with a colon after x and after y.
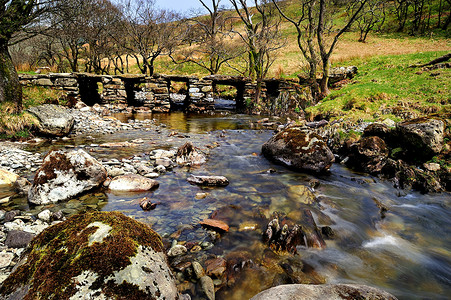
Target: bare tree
x: 371, y: 15
x: 99, y: 45
x: 147, y: 32
x: 17, y: 17
x: 209, y: 38
x: 261, y: 37
x: 312, y: 28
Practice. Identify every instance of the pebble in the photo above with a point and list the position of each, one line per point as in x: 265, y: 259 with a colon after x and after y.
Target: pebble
x: 177, y: 250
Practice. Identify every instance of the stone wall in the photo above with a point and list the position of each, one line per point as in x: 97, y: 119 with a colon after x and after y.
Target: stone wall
x: 152, y: 92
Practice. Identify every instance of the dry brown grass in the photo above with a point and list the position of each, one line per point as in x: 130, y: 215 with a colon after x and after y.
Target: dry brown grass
x: 290, y: 57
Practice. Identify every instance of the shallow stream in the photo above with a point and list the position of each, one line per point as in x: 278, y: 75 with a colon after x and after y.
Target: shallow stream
x: 407, y: 252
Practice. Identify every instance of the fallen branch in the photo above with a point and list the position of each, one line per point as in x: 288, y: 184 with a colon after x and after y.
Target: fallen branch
x: 441, y: 59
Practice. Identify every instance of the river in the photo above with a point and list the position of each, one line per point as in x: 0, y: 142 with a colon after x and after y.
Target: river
x: 405, y: 251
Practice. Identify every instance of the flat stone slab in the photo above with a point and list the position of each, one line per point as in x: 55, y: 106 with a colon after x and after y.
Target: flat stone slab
x: 208, y: 180
x: 132, y: 183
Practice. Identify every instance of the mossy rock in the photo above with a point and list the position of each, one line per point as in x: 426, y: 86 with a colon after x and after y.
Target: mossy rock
x: 93, y: 256
x: 299, y: 148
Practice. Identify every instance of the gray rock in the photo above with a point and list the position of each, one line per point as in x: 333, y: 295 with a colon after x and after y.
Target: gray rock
x: 64, y: 175
x: 423, y: 138
x: 54, y: 120
x: 198, y: 270
x: 5, y: 259
x: 45, y: 215
x: 299, y: 148
x: 18, y: 239
x: 328, y: 291
x: 22, y: 186
x: 208, y: 287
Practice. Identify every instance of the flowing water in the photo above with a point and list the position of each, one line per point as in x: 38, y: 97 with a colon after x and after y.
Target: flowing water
x: 407, y: 252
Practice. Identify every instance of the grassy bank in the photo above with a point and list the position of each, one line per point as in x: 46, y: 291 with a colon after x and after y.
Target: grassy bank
x: 17, y: 126
x: 386, y: 87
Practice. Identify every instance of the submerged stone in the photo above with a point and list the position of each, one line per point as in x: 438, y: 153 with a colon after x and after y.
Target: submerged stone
x: 132, y: 183
x: 93, y: 256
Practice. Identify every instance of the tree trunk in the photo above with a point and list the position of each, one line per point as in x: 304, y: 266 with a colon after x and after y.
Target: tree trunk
x: 10, y: 88
x: 324, y: 84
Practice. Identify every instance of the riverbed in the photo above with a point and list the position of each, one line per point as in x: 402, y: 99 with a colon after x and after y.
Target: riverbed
x: 405, y: 250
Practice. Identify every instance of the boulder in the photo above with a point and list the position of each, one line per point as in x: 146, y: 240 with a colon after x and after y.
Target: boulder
x: 369, y: 154
x: 18, y: 238
x: 64, y: 175
x: 54, y: 120
x: 379, y: 130
x: 132, y: 183
x: 422, y: 138
x: 7, y: 178
x: 208, y: 180
x: 93, y: 256
x: 188, y: 155
x: 299, y: 148
x: 327, y: 291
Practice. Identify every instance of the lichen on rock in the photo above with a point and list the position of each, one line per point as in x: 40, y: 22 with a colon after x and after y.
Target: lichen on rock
x: 299, y: 148
x: 64, y: 175
x: 124, y: 261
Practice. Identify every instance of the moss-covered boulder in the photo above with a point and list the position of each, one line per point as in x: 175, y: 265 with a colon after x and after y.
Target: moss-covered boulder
x: 64, y: 175
x: 299, y: 148
x: 93, y: 256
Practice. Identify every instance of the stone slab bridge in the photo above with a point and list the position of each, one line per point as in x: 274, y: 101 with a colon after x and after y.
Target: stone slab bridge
x: 155, y: 92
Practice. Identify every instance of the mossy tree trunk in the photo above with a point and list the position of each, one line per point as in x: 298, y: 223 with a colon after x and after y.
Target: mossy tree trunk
x: 10, y: 88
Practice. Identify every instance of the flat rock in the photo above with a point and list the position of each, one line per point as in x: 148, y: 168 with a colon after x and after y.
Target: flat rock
x: 328, y: 291
x: 208, y: 180
x: 215, y: 224
x: 54, y: 120
x: 132, y: 183
x: 7, y: 178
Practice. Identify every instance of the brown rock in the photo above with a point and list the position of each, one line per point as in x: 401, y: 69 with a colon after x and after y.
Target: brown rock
x: 215, y: 224
x: 216, y: 267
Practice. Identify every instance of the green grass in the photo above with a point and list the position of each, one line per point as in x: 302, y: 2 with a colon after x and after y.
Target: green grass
x: 385, y: 87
